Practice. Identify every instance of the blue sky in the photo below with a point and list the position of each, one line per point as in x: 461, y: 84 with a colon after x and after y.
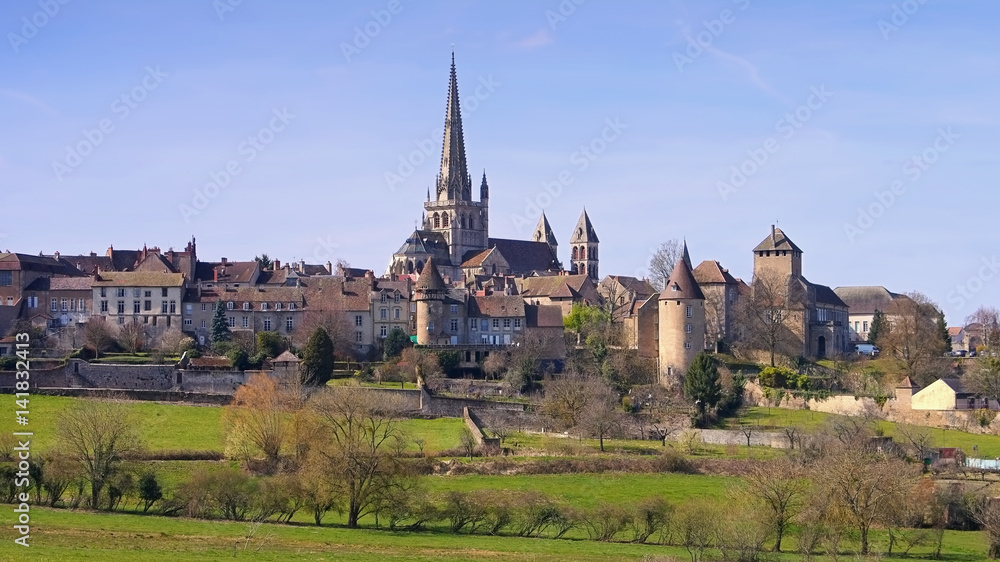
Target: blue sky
x: 697, y: 89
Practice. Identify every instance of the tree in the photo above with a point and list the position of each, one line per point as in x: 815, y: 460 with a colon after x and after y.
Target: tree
x: 986, y: 512
x: 567, y: 397
x: 766, y: 317
x: 256, y: 421
x: 264, y: 261
x: 701, y: 385
x: 603, y: 417
x: 317, y: 359
x: 779, y: 487
x: 467, y: 442
x: 984, y: 377
x: 661, y: 264
x: 395, y: 343
x: 495, y: 364
x: 915, y: 337
x: 989, y: 318
x: 879, y: 327
x: 942, y: 332
x: 220, y: 325
x: 132, y: 336
x: 98, y: 335
x: 356, y: 442
x: 99, y: 436
x: 149, y: 491
x: 270, y: 344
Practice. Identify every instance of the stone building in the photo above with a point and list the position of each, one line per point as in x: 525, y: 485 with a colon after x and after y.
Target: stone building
x: 681, y: 326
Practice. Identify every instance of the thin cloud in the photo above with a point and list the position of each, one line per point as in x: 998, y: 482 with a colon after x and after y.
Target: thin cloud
x: 22, y: 97
x: 540, y: 39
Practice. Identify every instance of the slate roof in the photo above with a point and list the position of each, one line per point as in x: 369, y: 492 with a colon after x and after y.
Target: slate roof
x: 23, y: 262
x: 956, y: 385
x: 138, y: 279
x: 525, y: 256
x: 584, y: 230
x: 826, y: 295
x: 422, y: 242
x: 502, y: 306
x: 711, y: 271
x: 866, y: 300
x: 681, y: 284
x: 88, y: 264
x: 779, y: 242
x: 154, y: 262
x: 232, y: 272
x: 640, y: 288
x: 543, y: 316
x: 60, y: 284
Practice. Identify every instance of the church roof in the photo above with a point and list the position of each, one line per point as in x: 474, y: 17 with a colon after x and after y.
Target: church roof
x: 425, y: 242
x: 476, y: 259
x: 524, y: 256
x: 430, y: 278
x: 454, y: 178
x: 584, y: 230
x: 710, y: 271
x: 543, y: 232
x: 681, y: 284
x: 777, y: 241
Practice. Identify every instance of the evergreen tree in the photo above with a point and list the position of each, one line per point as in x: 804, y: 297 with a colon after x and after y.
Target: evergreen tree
x: 701, y: 385
x: 149, y: 491
x: 878, y: 328
x: 220, y: 325
x: 317, y: 358
x: 395, y: 343
x: 942, y: 328
x: 264, y: 261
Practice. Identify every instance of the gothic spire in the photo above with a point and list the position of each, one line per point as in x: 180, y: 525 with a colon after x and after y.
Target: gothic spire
x: 453, y: 181
x: 484, y: 188
x: 543, y: 232
x: 686, y: 256
x: 584, y: 231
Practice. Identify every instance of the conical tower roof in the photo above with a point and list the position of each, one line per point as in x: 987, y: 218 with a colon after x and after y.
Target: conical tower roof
x: 687, y: 256
x: 430, y: 278
x: 543, y: 232
x: 584, y: 231
x: 453, y: 181
x: 681, y: 284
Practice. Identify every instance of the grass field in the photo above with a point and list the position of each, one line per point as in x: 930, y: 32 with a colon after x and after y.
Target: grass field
x: 78, y: 535
x: 988, y: 446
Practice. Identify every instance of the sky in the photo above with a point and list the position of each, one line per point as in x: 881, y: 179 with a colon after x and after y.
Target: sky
x: 868, y: 131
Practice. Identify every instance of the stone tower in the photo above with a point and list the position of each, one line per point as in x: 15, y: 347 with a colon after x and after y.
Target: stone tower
x: 583, y: 256
x: 681, y: 324
x: 543, y: 233
x: 451, y: 211
x: 429, y: 294
x: 777, y: 257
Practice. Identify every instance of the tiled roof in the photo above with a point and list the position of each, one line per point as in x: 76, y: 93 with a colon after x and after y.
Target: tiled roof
x: 285, y: 357
x: 906, y: 383
x: 60, y: 284
x: 777, y: 241
x: 476, y: 259
x: 24, y: 262
x: 524, y: 256
x: 337, y: 293
x: 155, y: 263
x: 232, y: 272
x: 430, y: 278
x: 584, y: 230
x: 866, y: 300
x: 543, y: 316
x: 546, y: 286
x: 496, y: 306
x: 138, y: 279
x: 955, y: 331
x: 681, y: 284
x: 710, y: 271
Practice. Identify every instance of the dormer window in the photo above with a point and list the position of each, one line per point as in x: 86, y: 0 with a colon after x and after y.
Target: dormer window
x: 291, y: 306
x: 277, y: 306
x: 246, y: 306
x: 263, y: 306
x: 229, y: 305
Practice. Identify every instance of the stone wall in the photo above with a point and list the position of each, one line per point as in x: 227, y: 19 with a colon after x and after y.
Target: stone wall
x: 736, y: 437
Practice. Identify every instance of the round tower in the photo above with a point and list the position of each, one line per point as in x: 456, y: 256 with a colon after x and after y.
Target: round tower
x: 429, y: 294
x: 681, y: 324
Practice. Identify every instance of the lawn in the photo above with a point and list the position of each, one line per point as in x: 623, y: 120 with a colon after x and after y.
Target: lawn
x: 988, y: 446
x: 80, y: 535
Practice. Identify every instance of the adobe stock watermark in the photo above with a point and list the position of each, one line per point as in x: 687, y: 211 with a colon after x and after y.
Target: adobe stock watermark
x: 363, y: 35
x: 964, y: 292
x: 563, y: 11
x: 714, y: 29
x: 581, y: 160
x: 248, y: 150
x: 325, y: 250
x: 223, y: 7
x: 759, y: 156
x: 913, y: 169
x: 900, y: 16
x: 428, y: 147
x: 121, y: 108
x: 31, y: 25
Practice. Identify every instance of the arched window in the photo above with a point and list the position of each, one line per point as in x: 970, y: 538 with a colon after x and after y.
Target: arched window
x: 583, y: 252
x: 593, y: 253
x: 420, y: 266
x: 574, y: 252
x: 409, y: 267
x: 583, y: 269
x: 444, y: 220
x: 437, y: 220
x: 461, y: 223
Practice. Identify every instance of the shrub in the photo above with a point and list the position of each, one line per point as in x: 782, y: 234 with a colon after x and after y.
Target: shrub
x: 149, y: 491
x: 652, y: 517
x: 606, y: 521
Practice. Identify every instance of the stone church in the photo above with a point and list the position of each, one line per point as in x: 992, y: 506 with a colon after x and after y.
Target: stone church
x: 455, y: 227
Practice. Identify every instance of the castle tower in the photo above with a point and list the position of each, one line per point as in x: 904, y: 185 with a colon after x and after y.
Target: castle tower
x: 777, y: 257
x: 452, y: 212
x: 429, y: 294
x: 583, y: 256
x: 543, y: 233
x: 681, y: 324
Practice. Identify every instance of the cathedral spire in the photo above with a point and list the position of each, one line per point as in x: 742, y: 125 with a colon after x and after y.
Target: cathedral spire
x: 453, y: 181
x: 484, y: 188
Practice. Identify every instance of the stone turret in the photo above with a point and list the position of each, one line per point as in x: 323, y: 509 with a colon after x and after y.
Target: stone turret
x: 583, y: 244
x: 430, y: 292
x: 681, y: 324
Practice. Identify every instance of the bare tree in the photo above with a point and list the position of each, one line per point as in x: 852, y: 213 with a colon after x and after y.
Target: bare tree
x: 986, y: 512
x: 768, y: 315
x: 567, y: 397
x: 603, y: 416
x: 779, y: 487
x: 257, y: 421
x: 913, y: 338
x: 989, y: 318
x: 99, y: 435
x: 132, y: 336
x: 984, y: 377
x: 98, y: 335
x: 496, y: 364
x: 661, y: 264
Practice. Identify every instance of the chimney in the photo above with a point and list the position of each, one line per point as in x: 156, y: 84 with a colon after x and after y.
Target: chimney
x: 302, y: 266
x: 215, y: 273
x: 329, y: 268
x: 369, y: 274
x: 225, y: 262
x: 275, y: 265
x: 56, y: 255
x: 774, y: 238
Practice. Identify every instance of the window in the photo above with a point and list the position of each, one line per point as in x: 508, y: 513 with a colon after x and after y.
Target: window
x: 136, y: 292
x: 454, y: 324
x: 32, y: 302
x: 454, y: 309
x: 121, y: 320
x: 202, y: 323
x: 64, y: 305
x: 55, y: 305
x: 145, y: 319
x: 72, y: 305
x: 120, y: 293
x: 496, y: 323
x: 267, y: 324
x: 430, y: 326
x: 232, y: 321
x: 204, y: 307
x: 473, y: 324
x: 383, y: 298
x: 687, y: 345
x: 81, y: 306
x: 230, y: 305
x: 395, y: 298
x: 136, y: 307
x: 148, y: 306
x: 163, y: 292
x: 395, y: 313
x: 506, y: 323
x: 104, y: 306
x: 359, y: 320
x: 246, y: 321
x: 246, y: 306
x: 263, y: 306
x: 291, y: 306
x: 865, y: 325
x: 104, y: 292
x: 383, y: 331
x: 688, y: 328
x: 277, y: 306
x: 187, y: 321
x: 689, y: 311
x: 147, y: 294
x: 358, y: 337
x: 163, y: 307
x: 121, y: 307
x: 188, y: 308
x: 290, y: 324
x: 484, y: 324
x: 6, y: 278
x: 857, y: 326
x: 173, y: 307
x: 383, y: 313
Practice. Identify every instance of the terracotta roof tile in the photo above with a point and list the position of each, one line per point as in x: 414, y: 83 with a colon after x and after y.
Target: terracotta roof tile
x: 681, y: 284
x: 710, y: 271
x: 138, y: 279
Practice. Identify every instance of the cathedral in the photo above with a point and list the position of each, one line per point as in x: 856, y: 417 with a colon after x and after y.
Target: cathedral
x: 455, y: 227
